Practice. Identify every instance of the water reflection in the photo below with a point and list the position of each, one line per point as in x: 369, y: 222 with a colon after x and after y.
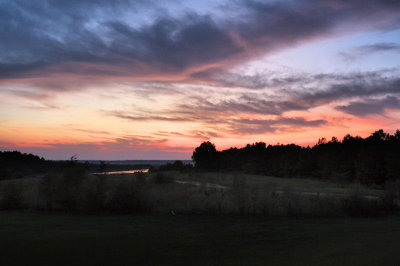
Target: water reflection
x: 123, y: 172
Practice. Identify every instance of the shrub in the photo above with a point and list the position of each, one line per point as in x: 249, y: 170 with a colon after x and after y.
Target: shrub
x: 263, y: 200
x: 239, y: 193
x: 296, y: 203
x: 140, y: 178
x: 394, y: 188
x: 48, y: 190
x: 4, y: 173
x: 11, y: 198
x: 62, y: 191
x: 69, y: 187
x: 93, y: 194
x: 355, y: 204
x: 162, y: 178
x: 129, y: 196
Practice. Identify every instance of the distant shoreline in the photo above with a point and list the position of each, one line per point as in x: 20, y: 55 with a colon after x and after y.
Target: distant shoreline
x: 135, y: 162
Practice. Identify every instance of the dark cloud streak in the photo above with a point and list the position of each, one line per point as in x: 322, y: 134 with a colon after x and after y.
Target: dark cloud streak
x: 260, y: 126
x: 370, y: 106
x: 369, y: 49
x: 48, y: 36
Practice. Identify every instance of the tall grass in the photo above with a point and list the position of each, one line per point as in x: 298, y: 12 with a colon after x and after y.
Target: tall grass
x: 129, y: 196
x: 73, y: 190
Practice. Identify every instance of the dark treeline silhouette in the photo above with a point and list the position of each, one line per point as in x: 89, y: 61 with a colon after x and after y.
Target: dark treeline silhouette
x: 178, y: 165
x: 374, y: 160
x: 14, y: 164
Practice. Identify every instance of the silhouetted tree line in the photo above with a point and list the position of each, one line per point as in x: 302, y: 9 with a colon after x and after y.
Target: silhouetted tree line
x: 175, y: 166
x: 14, y: 164
x: 371, y: 160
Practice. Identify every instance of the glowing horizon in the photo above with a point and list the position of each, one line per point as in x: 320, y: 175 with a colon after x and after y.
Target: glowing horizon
x: 143, y: 80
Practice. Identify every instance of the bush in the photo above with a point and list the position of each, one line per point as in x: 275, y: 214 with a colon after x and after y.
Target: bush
x: 129, y: 196
x: 48, y: 190
x: 140, y: 178
x: 69, y: 187
x: 176, y: 166
x: 4, y: 173
x: 62, y: 191
x: 11, y: 198
x: 93, y: 194
x: 394, y: 188
x: 355, y: 204
x: 239, y: 193
x: 162, y: 178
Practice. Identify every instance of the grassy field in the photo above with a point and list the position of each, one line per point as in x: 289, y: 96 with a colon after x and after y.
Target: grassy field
x: 40, y: 238
x: 193, y: 192
x: 298, y: 184
x: 226, y: 179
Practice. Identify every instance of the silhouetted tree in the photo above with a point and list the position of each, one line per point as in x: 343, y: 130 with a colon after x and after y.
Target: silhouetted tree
x: 205, y: 156
x: 102, y: 166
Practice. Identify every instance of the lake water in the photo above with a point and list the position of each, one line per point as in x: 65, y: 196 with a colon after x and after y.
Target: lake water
x: 123, y: 172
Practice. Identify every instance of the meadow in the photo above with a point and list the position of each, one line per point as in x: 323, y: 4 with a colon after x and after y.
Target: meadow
x: 194, y: 218
x: 43, y: 238
x: 277, y: 183
x: 195, y: 193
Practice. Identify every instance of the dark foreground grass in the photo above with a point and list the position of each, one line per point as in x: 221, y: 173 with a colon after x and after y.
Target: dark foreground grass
x: 37, y: 238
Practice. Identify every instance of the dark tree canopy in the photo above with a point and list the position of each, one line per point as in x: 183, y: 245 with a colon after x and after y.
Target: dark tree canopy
x: 205, y: 156
x: 371, y: 160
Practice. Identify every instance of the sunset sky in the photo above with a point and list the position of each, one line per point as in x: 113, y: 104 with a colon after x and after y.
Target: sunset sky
x: 153, y: 79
